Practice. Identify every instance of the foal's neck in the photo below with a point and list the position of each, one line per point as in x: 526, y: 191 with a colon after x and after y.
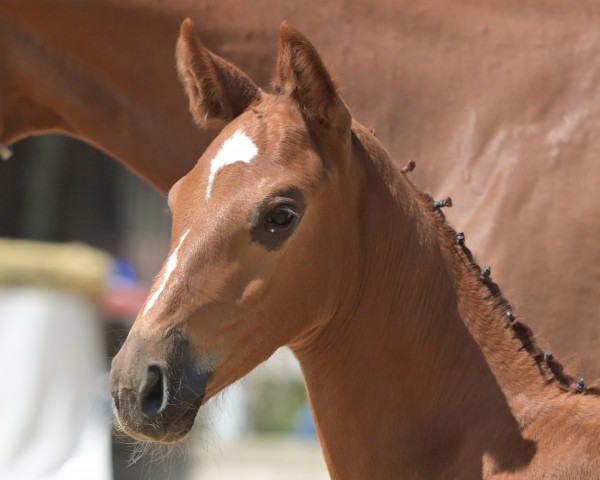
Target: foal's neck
x: 424, y: 364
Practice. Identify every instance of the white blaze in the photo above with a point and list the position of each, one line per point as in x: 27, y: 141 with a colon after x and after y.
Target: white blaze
x: 237, y: 148
x: 171, y: 265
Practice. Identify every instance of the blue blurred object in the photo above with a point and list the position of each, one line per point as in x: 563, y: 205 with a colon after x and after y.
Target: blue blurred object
x: 304, y: 423
x: 121, y: 274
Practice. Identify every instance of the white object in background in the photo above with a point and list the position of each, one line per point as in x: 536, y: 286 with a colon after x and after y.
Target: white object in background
x: 54, y: 423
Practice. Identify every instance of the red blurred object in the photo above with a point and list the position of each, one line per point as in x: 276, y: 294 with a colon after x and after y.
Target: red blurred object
x: 123, y: 301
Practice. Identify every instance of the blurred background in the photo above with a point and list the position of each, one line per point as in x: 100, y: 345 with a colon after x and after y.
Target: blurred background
x: 81, y: 239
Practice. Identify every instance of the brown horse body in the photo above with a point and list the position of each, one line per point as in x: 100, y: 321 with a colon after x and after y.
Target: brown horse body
x: 295, y: 228
x: 499, y: 104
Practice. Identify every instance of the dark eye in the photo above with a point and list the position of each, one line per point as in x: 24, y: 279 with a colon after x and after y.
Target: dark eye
x: 280, y: 218
x: 273, y: 220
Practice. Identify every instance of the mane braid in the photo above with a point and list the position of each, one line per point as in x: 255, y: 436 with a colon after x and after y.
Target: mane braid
x: 277, y: 88
x: 548, y: 366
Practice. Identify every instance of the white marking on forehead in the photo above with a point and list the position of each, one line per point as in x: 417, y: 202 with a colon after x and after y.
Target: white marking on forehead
x: 171, y: 265
x: 237, y: 148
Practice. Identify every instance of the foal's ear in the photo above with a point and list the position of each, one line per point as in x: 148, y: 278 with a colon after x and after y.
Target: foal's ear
x: 218, y: 91
x: 303, y: 77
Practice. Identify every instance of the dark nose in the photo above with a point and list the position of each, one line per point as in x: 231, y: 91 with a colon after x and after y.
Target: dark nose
x: 140, y: 394
x: 157, y: 387
x: 153, y: 395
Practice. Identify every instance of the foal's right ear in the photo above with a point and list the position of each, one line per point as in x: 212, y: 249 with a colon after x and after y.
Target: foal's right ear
x: 302, y: 76
x: 218, y: 91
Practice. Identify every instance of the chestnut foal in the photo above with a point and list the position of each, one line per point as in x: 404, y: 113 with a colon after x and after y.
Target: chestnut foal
x: 295, y: 228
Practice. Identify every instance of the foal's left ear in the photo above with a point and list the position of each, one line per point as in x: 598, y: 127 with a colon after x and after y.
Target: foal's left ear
x: 217, y: 90
x: 304, y: 78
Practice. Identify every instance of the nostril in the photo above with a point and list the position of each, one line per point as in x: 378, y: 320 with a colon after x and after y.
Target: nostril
x: 153, y: 395
x: 115, y: 396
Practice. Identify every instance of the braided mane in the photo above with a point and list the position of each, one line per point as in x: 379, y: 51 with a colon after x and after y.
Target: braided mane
x: 550, y: 368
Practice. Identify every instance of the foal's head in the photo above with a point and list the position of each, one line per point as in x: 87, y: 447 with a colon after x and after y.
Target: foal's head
x: 261, y: 230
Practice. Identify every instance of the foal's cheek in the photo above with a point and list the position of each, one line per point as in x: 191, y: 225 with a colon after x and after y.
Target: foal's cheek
x: 253, y: 291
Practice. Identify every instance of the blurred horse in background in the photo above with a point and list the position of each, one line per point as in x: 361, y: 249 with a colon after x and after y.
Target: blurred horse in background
x: 498, y: 103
